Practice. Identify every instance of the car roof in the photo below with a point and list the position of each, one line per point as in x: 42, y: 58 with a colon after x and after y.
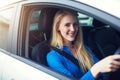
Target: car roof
x: 109, y: 6
x: 8, y: 2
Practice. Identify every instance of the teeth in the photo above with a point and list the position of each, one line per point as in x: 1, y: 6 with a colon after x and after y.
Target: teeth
x: 71, y: 34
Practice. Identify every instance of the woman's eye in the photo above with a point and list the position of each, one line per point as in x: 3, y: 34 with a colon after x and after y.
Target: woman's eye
x: 67, y: 24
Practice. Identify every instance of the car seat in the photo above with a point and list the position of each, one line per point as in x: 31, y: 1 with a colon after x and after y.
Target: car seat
x: 40, y: 50
x: 103, y: 40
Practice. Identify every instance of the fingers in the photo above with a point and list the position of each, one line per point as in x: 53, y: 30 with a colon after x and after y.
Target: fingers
x: 108, y: 64
x: 114, y: 63
x: 116, y: 57
x: 115, y: 66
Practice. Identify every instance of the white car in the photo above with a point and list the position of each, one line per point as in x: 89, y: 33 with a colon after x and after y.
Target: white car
x: 26, y: 25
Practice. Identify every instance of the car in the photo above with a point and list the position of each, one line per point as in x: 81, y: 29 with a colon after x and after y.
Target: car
x: 26, y: 25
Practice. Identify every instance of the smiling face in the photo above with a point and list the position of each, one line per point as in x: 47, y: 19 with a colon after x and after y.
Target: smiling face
x: 68, y: 28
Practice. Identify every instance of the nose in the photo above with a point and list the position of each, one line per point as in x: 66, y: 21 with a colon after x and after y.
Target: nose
x: 72, y: 28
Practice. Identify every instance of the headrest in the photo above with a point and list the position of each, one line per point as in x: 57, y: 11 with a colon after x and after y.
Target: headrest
x: 46, y: 20
x: 98, y: 23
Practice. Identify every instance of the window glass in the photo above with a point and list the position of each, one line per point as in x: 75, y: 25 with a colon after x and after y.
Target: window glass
x: 34, y: 32
x: 5, y: 19
x: 34, y: 20
x: 85, y: 20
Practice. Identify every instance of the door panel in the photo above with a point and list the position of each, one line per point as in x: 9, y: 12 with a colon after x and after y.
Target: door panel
x: 13, y: 69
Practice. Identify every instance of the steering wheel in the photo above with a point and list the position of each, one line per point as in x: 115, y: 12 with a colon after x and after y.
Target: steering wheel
x: 117, y: 51
x: 115, y: 75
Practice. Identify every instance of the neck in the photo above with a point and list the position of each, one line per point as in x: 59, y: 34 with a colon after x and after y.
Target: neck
x: 69, y: 44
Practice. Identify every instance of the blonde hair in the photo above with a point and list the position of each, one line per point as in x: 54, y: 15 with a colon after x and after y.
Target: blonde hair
x: 84, y: 58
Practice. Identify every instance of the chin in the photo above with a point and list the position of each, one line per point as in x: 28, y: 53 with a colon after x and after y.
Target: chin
x: 71, y: 39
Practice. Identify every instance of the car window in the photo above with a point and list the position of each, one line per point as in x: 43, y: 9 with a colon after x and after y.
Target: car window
x: 85, y: 20
x: 95, y: 33
x: 90, y: 26
x: 35, y: 35
x: 5, y: 19
x: 25, y: 32
x: 34, y: 20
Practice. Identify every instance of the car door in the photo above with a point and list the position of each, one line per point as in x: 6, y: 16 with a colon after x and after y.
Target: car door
x: 18, y: 60
x: 30, y: 27
x: 17, y: 68
x: 33, y: 23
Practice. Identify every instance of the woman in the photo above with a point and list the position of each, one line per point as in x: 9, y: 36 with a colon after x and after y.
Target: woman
x: 67, y: 36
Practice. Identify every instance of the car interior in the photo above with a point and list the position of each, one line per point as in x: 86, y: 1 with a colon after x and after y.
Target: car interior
x: 100, y: 37
x: 103, y: 39
x: 38, y: 49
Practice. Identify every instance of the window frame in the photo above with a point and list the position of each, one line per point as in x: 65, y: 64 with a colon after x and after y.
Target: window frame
x: 80, y: 8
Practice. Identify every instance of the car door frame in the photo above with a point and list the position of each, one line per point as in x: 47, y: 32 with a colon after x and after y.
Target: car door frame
x: 17, y: 37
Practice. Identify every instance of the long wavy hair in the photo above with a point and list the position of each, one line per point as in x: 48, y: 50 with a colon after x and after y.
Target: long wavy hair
x: 84, y: 58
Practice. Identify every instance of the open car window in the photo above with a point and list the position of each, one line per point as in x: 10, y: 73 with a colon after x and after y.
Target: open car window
x: 97, y: 34
x: 40, y: 28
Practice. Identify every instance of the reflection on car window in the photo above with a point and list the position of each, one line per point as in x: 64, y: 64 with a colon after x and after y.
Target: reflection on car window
x: 34, y: 20
x: 85, y: 20
x: 35, y: 35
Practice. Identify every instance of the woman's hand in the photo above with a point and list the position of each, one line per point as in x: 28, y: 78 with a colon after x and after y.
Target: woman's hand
x: 108, y: 64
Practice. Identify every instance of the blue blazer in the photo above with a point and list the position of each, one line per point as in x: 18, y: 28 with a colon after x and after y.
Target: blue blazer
x: 65, y: 66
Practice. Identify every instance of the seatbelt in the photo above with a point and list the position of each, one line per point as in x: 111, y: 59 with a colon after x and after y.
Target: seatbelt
x: 65, y: 54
